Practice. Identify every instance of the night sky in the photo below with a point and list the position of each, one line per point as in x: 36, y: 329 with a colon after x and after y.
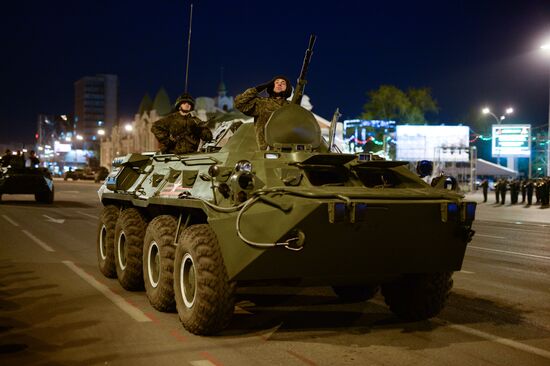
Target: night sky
x: 470, y: 53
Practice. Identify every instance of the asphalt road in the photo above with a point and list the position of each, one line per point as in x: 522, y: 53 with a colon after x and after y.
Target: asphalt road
x: 57, y: 309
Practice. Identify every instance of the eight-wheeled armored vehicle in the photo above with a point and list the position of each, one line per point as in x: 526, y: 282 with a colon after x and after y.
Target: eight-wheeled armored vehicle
x: 192, y: 228
x: 15, y: 178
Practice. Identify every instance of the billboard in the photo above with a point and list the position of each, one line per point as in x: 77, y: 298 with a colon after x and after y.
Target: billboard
x: 511, y: 140
x: 360, y: 135
x: 436, y: 143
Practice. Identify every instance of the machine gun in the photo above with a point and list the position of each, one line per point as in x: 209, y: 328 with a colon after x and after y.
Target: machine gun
x: 301, y: 83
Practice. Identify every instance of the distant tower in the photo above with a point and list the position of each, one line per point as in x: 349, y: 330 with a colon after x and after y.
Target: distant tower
x: 222, y: 101
x: 96, y: 104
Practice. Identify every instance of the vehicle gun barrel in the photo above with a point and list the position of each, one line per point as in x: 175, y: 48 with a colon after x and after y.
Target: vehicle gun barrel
x: 301, y: 83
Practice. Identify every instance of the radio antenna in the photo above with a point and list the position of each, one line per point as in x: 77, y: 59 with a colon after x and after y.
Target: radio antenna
x: 188, y: 47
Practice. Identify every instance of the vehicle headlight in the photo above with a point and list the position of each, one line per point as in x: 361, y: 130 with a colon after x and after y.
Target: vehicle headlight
x: 468, y: 212
x: 243, y: 165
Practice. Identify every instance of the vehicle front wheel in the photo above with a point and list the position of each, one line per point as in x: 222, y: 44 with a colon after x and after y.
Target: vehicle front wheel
x: 105, y: 246
x: 158, y: 262
x: 45, y: 197
x: 129, y: 233
x: 204, y: 294
x: 418, y: 296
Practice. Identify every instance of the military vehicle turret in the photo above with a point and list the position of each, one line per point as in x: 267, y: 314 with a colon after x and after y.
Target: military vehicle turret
x: 192, y: 228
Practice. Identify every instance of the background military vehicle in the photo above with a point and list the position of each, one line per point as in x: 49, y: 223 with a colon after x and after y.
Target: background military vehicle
x: 192, y: 228
x: 15, y: 178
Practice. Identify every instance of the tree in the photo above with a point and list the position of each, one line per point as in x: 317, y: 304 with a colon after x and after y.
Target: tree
x: 391, y: 103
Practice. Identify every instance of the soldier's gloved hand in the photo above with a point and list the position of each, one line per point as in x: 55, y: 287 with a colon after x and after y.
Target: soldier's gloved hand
x: 260, y: 88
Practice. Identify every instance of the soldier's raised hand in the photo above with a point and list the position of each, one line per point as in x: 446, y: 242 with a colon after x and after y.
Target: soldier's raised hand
x: 260, y: 88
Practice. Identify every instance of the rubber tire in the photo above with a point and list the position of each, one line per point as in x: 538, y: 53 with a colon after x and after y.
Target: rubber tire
x: 418, y: 296
x: 106, y: 237
x: 45, y: 197
x: 131, y: 226
x: 355, y: 293
x: 212, y: 305
x: 161, y: 230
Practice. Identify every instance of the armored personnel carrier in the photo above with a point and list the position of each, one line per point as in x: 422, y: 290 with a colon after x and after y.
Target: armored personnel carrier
x: 16, y: 178
x: 192, y: 228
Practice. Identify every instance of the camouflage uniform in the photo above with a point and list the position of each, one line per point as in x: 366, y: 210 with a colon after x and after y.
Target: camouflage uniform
x: 261, y: 108
x: 180, y: 134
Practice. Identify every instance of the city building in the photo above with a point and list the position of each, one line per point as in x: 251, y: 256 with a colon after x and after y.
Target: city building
x: 95, y: 108
x: 135, y: 136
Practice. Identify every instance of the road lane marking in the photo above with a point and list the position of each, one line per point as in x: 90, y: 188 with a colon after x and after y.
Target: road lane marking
x: 301, y: 358
x: 44, y: 246
x: 85, y: 214
x: 202, y: 363
x: 69, y: 192
x: 490, y: 236
x: 10, y: 220
x: 466, y: 272
x: 208, y: 357
x: 51, y: 219
x: 118, y: 300
x: 508, y: 252
x: 504, y: 341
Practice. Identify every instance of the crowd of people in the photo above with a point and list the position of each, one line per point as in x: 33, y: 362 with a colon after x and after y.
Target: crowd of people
x: 527, y: 188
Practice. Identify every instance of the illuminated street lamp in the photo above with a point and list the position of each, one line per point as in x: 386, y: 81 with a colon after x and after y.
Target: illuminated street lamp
x: 101, y: 132
x: 79, y: 137
x: 128, y: 127
x: 508, y: 110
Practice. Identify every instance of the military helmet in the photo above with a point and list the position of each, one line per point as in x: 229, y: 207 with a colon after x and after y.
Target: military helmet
x: 287, y: 93
x: 184, y: 98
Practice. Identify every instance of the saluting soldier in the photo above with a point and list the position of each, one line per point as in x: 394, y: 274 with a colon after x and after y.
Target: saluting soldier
x: 251, y: 103
x: 181, y: 131
x: 545, y: 193
x: 496, y: 186
x: 529, y: 188
x: 513, y: 192
x: 502, y: 187
x: 523, y: 190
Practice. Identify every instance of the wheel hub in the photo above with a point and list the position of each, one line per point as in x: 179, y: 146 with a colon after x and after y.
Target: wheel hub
x: 153, y: 264
x: 188, y: 280
x: 122, y: 250
x: 102, y: 243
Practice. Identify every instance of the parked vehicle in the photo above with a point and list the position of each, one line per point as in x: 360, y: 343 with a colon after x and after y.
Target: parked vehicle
x: 78, y: 173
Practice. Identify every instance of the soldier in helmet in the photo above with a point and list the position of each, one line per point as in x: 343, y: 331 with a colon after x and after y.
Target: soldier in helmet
x: 181, y: 132
x: 252, y: 104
